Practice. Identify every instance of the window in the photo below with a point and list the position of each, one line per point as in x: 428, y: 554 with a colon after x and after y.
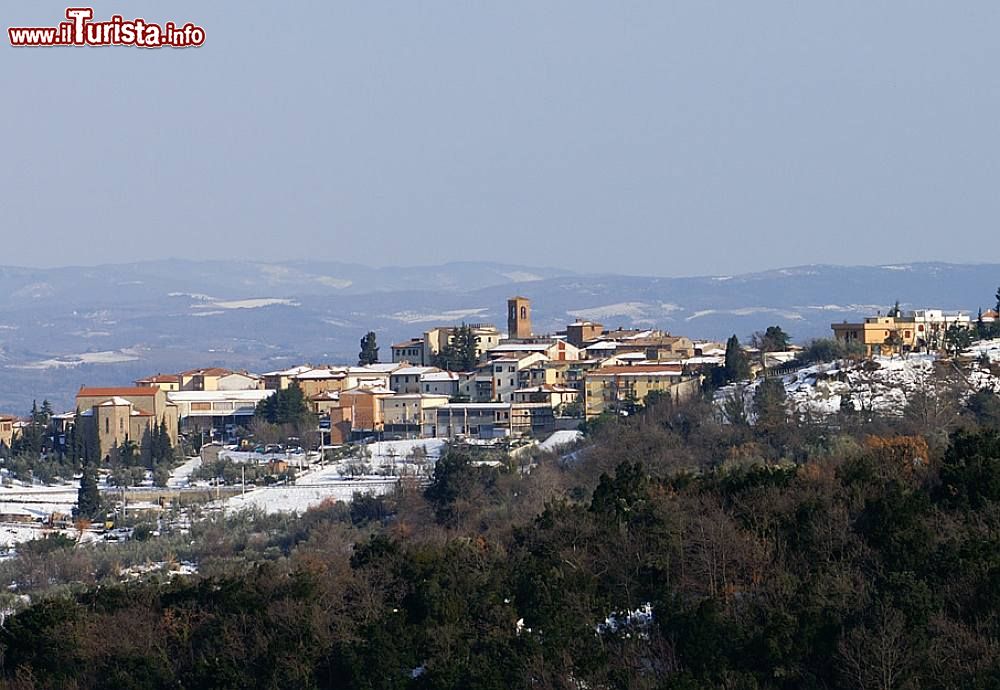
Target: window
x: 107, y: 425
x: 524, y: 312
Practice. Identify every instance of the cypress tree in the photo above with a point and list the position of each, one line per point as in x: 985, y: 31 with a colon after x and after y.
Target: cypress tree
x: 88, y: 500
x: 736, y: 366
x: 369, y: 350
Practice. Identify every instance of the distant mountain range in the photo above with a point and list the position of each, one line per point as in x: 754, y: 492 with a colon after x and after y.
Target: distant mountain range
x: 63, y: 327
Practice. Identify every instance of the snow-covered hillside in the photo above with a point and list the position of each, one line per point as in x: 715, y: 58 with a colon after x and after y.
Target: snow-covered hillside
x: 882, y: 385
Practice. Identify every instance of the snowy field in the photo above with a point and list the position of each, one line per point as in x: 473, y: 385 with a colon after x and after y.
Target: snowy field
x: 990, y: 348
x: 335, y: 481
x: 559, y: 439
x: 297, y: 498
x: 38, y: 501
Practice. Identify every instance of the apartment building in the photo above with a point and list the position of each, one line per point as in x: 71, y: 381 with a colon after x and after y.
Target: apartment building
x: 607, y: 389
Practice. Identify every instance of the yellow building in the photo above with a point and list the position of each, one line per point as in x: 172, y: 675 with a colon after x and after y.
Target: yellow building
x: 363, y: 406
x: 405, y: 413
x: 607, y: 388
x: 878, y: 335
x: 6, y: 430
x: 317, y: 381
x: 116, y: 415
x: 552, y: 395
x: 165, y: 382
x: 485, y: 335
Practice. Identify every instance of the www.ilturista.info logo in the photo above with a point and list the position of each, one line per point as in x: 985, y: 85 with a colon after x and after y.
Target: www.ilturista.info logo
x: 81, y: 30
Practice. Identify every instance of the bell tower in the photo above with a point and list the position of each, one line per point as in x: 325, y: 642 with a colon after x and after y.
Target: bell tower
x: 518, y: 318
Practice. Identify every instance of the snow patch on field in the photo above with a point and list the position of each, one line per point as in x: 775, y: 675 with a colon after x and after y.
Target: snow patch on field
x: 746, y: 311
x: 193, y: 295
x: 295, y: 498
x: 444, y: 317
x: 990, y: 348
x: 521, y: 276
x: 632, y: 310
x: 335, y: 283
x: 336, y: 481
x: 256, y: 303
x: 104, y: 357
x: 559, y: 439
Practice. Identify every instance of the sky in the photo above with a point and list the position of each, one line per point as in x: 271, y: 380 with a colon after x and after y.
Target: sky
x: 658, y: 138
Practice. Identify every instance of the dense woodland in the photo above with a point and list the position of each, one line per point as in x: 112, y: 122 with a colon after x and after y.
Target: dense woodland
x: 856, y: 553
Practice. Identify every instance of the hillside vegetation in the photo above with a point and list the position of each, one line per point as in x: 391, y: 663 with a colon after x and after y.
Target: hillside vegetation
x: 670, y: 550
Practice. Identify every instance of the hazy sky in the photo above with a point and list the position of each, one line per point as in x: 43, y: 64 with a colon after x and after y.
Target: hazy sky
x: 668, y: 138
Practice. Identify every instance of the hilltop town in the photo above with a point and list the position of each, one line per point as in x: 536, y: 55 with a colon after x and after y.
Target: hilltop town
x: 466, y: 383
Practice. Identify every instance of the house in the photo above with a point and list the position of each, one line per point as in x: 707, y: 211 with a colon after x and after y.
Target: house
x: 6, y: 430
x: 316, y: 381
x: 363, y: 407
x: 485, y: 335
x: 407, y: 379
x: 440, y: 383
x: 878, y: 335
x: 607, y: 388
x: 551, y: 395
x: 116, y: 415
x: 404, y: 414
x: 322, y: 403
x: 240, y: 381
x: 202, y: 379
x: 544, y: 372
x: 165, y: 382
x: 505, y: 374
x: 371, y: 376
x: 602, y: 349
x: 658, y: 347
x: 488, y: 420
x: 409, y: 351
x: 931, y: 325
x: 579, y: 334
x: 989, y: 316
x: 282, y: 379
x: 554, y: 349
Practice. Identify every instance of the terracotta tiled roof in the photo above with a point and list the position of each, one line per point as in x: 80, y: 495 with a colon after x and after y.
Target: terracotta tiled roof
x: 160, y: 378
x: 85, y: 392
x: 211, y: 371
x: 638, y: 370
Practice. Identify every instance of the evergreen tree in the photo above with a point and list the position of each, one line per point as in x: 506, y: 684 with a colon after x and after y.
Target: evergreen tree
x: 957, y: 339
x: 997, y: 306
x: 286, y: 406
x: 895, y: 311
x: 46, y: 412
x: 775, y: 339
x: 460, y: 352
x: 980, y: 325
x: 369, y: 350
x: 736, y: 366
x: 88, y: 501
x: 769, y: 403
